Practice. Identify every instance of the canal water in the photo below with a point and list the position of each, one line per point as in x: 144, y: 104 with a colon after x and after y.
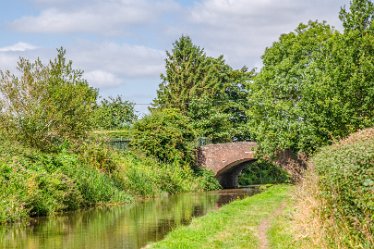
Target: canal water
x: 128, y: 226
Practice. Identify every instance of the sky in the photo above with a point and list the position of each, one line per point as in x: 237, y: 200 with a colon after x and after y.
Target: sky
x: 121, y: 44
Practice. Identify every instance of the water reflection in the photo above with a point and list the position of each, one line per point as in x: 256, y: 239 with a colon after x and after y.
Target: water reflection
x: 130, y: 226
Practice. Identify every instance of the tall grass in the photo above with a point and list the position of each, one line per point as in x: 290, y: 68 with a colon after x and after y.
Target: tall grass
x: 35, y: 183
x: 335, y: 204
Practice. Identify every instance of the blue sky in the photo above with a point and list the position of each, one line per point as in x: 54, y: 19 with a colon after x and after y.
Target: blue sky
x: 121, y: 44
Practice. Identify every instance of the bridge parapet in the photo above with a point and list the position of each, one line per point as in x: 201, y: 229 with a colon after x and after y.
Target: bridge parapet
x: 226, y: 160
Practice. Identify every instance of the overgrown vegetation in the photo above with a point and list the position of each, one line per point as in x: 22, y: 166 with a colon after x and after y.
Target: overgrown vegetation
x: 346, y: 190
x: 37, y: 183
x: 51, y: 160
x: 263, y: 172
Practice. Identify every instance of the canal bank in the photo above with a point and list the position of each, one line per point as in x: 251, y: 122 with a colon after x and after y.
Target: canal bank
x: 253, y: 222
x: 126, y: 226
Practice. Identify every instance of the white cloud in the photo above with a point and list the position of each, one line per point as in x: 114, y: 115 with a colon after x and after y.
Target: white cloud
x: 18, y: 47
x: 8, y: 62
x: 129, y: 61
x: 238, y: 29
x: 242, y: 29
x: 100, y: 78
x: 100, y: 16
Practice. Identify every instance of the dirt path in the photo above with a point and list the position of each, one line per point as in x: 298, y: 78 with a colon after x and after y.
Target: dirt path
x: 265, y: 225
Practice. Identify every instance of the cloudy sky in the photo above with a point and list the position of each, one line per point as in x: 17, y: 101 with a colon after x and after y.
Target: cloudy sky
x: 121, y: 44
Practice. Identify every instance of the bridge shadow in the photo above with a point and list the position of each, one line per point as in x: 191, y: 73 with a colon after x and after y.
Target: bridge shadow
x: 228, y: 176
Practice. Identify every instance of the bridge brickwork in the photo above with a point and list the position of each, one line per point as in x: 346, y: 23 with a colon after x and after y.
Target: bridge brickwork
x: 226, y: 160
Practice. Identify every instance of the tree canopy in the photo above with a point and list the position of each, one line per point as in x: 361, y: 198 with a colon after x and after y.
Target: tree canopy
x: 316, y: 84
x: 114, y: 113
x: 46, y: 105
x: 166, y: 135
x: 207, y: 90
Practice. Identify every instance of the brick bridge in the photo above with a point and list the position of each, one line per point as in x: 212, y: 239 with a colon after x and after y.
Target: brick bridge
x: 226, y: 160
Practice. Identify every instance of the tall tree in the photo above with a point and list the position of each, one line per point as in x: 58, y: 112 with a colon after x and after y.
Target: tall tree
x: 189, y: 74
x: 278, y: 115
x: 206, y: 89
x: 47, y: 105
x: 317, y: 84
x: 359, y: 17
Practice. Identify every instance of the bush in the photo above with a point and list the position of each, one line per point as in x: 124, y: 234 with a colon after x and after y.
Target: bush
x: 35, y: 183
x: 165, y: 135
x: 114, y: 113
x: 262, y: 172
x: 147, y: 177
x: 346, y: 182
x: 48, y: 105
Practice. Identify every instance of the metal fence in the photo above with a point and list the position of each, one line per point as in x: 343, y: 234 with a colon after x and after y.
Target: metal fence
x: 120, y: 143
x: 202, y: 141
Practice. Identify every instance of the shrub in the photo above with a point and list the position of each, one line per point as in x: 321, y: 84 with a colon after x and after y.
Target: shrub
x: 114, y: 113
x: 35, y: 183
x: 262, y: 172
x: 48, y: 105
x: 346, y: 182
x: 165, y: 135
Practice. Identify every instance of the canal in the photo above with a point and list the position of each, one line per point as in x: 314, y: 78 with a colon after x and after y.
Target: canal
x: 126, y: 226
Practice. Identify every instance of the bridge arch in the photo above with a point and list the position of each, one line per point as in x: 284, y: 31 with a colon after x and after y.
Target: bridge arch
x: 226, y: 160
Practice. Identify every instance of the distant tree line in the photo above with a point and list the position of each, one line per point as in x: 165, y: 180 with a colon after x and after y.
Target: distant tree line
x: 315, y: 86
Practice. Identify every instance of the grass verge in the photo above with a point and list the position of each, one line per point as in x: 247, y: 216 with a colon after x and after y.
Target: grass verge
x: 233, y: 226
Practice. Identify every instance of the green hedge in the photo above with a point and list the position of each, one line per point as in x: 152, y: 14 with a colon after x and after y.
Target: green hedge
x: 346, y: 182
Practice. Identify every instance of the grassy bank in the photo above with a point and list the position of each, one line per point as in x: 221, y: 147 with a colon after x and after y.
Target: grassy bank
x: 36, y: 183
x: 240, y: 224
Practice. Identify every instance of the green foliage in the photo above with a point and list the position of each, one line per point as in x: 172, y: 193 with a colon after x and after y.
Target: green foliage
x: 96, y: 152
x: 47, y: 105
x: 263, y: 172
x: 146, y: 177
x: 165, y: 135
x: 125, y: 133
x: 36, y: 183
x: 359, y: 17
x: 346, y: 186
x: 114, y: 113
x: 278, y: 115
x: 206, y: 179
x: 207, y: 90
x: 188, y: 74
x: 316, y: 85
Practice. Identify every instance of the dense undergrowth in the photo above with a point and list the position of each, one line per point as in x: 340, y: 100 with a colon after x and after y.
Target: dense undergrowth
x: 35, y: 183
x: 334, y: 204
x: 346, y: 190
x: 263, y: 172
